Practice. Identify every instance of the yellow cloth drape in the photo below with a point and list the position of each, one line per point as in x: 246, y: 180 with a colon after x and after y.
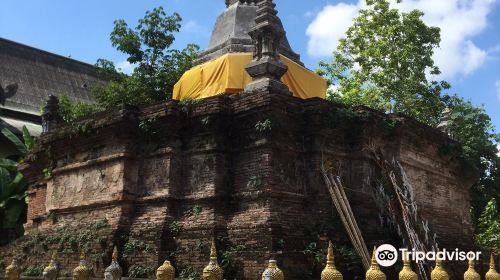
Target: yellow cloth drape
x: 227, y: 74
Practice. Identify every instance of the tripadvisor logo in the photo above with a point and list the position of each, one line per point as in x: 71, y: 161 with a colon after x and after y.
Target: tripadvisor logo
x: 387, y: 255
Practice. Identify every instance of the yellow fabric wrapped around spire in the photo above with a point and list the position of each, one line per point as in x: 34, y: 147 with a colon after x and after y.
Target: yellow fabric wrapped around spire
x: 227, y: 74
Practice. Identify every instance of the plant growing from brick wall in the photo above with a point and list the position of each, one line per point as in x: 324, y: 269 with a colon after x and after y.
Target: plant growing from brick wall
x: 254, y: 182
x: 134, y: 246
x: 175, y: 227
x: 189, y: 274
x: 33, y: 271
x: 188, y: 104
x: 140, y: 271
x: 264, y: 126
x: 193, y: 211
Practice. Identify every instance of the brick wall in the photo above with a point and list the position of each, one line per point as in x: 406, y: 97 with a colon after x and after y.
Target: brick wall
x: 168, y: 177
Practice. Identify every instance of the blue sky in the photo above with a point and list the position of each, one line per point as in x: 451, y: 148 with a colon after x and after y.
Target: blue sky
x: 469, y: 54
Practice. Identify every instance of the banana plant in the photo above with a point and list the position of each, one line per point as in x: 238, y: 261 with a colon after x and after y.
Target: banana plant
x: 13, y: 185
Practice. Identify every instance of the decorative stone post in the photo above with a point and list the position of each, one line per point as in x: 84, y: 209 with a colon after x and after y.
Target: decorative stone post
x: 407, y: 272
x: 113, y: 271
x: 492, y: 274
x: 12, y: 272
x: 330, y: 272
x: 273, y: 272
x: 374, y: 273
x: 266, y: 69
x: 50, y: 272
x: 81, y: 272
x: 51, y: 117
x: 438, y: 273
x: 213, y: 271
x: 165, y: 272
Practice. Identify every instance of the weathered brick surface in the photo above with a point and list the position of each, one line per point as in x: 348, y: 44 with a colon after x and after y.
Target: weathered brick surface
x: 172, y: 176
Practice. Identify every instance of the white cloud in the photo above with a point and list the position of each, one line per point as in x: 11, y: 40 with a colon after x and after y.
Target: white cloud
x: 459, y: 20
x: 329, y: 25
x: 497, y: 85
x: 125, y: 67
x: 193, y: 27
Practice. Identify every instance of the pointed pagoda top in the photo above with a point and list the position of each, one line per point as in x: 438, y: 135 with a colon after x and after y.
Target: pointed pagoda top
x: 230, y: 34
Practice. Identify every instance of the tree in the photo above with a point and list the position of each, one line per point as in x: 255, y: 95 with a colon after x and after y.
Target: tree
x: 13, y: 186
x: 472, y: 128
x: 489, y: 227
x: 157, y: 66
x: 384, y: 62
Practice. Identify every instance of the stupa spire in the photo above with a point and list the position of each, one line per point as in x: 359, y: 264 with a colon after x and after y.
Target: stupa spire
x: 266, y: 69
x: 230, y: 33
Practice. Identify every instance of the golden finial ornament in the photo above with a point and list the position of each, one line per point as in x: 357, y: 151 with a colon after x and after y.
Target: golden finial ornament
x: 113, y: 271
x: 438, y: 273
x: 330, y: 272
x: 273, y: 272
x: 12, y: 271
x: 471, y: 273
x: 374, y: 273
x: 81, y: 272
x: 213, y: 271
x: 165, y: 272
x: 492, y: 274
x: 50, y: 272
x: 407, y: 272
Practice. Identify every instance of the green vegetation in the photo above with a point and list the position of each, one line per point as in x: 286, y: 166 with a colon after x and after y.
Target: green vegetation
x: 193, y: 211
x: 488, y: 233
x: 33, y: 271
x: 136, y: 246
x: 175, y: 227
x: 189, y: 274
x: 140, y: 271
x: 13, y: 185
x: 263, y: 126
x: 157, y: 66
x: 254, y: 182
x: 385, y: 62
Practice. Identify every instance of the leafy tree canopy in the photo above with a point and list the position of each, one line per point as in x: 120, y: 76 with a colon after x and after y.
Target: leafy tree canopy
x: 157, y: 66
x: 384, y: 62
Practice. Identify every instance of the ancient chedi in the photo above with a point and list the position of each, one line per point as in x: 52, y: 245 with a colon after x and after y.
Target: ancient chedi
x: 249, y: 48
x: 160, y: 181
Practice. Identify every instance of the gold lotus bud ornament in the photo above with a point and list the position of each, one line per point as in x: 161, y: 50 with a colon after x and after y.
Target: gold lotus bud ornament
x: 471, y: 273
x: 81, y: 272
x: 50, y: 272
x: 374, y: 273
x: 407, y: 272
x: 113, y: 271
x: 213, y: 271
x: 330, y: 272
x: 438, y: 273
x: 165, y: 272
x: 273, y: 272
x: 12, y: 271
x: 492, y: 274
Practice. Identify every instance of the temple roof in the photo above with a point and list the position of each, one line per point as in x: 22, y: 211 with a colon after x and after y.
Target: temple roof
x: 230, y: 33
x: 37, y: 74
